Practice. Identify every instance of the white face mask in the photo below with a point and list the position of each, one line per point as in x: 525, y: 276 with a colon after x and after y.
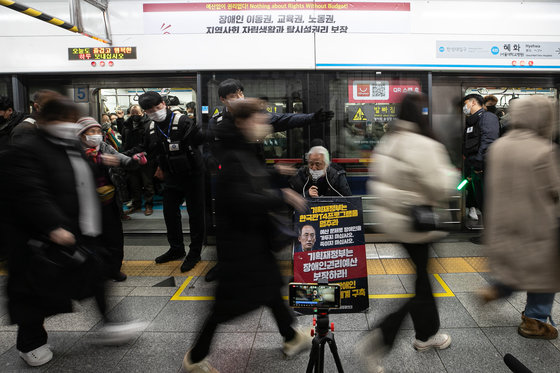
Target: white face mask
x: 158, y: 116
x: 316, y: 174
x: 466, y: 110
x: 64, y: 130
x: 93, y: 140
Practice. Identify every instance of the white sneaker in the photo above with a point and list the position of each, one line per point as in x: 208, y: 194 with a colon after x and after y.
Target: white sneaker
x: 302, y: 341
x: 370, y: 350
x: 120, y: 333
x: 39, y: 356
x: 200, y: 367
x: 440, y: 341
x: 472, y: 214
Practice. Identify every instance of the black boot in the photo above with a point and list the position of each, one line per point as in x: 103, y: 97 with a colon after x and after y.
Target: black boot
x: 170, y: 255
x: 189, y: 263
x: 213, y: 273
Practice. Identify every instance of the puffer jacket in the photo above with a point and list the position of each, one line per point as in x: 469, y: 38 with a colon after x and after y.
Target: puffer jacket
x: 409, y: 169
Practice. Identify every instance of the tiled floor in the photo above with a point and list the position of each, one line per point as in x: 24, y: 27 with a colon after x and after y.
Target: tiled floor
x: 481, y: 334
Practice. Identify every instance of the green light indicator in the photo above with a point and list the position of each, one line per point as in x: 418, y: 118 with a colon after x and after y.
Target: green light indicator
x: 462, y: 184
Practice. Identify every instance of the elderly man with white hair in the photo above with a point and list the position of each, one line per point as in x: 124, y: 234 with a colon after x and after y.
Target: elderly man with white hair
x: 319, y: 178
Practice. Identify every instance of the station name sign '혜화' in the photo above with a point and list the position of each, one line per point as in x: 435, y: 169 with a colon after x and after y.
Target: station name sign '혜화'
x: 276, y: 17
x: 101, y: 53
x: 331, y: 245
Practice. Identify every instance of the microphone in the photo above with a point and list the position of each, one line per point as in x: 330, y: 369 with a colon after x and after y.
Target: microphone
x: 515, y: 365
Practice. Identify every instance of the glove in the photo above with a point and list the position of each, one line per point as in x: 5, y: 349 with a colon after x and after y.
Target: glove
x: 323, y: 116
x: 140, y: 158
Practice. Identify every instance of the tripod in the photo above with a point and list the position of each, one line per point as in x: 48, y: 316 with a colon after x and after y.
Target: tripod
x: 323, y: 334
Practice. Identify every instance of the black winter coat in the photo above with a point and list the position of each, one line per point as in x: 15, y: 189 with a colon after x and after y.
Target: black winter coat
x: 42, y: 197
x: 134, y: 135
x: 244, y: 196
x: 482, y: 129
x: 302, y: 181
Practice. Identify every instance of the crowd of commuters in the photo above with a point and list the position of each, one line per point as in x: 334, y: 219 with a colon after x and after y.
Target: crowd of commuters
x: 71, y: 175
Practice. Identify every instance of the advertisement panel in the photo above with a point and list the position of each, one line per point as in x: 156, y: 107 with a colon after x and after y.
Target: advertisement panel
x: 276, y: 17
x: 331, y: 245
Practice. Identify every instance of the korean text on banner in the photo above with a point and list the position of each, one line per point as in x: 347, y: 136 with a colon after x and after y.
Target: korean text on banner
x: 331, y: 245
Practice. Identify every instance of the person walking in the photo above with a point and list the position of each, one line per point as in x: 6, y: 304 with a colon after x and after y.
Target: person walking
x: 55, y: 210
x: 522, y: 237
x: 410, y: 168
x: 249, y: 275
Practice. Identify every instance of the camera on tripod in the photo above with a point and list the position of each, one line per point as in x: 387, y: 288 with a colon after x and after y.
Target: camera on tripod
x: 321, y: 296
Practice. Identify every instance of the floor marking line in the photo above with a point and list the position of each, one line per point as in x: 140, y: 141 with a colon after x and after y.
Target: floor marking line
x: 448, y: 292
x: 177, y: 295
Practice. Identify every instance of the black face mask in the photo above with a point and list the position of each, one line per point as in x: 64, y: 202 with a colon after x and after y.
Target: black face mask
x: 491, y: 108
x: 2, y: 120
x: 136, y: 118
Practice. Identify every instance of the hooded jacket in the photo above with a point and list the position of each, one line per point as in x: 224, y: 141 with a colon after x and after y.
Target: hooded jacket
x: 523, y: 187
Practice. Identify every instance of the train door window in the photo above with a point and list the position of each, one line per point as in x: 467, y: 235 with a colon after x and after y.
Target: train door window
x: 5, y: 87
x: 364, y: 104
x: 502, y: 97
x: 113, y: 100
x: 281, y: 94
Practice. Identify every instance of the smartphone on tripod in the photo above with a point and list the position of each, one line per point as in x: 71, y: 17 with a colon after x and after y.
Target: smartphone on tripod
x: 314, y: 295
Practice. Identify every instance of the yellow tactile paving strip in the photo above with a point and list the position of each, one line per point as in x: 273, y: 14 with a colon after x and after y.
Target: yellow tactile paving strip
x: 402, y: 266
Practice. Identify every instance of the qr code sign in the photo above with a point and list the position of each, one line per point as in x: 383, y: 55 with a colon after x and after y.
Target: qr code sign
x: 370, y: 90
x: 380, y: 90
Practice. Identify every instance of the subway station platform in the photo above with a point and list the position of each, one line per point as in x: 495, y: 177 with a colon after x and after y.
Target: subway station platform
x: 175, y: 304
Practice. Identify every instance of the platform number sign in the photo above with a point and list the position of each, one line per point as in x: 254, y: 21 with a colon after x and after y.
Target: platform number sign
x: 81, y: 93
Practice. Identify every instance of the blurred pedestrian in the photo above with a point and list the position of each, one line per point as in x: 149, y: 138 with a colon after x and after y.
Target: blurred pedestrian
x: 249, y: 275
x: 522, y: 236
x: 409, y: 168
x: 29, y: 124
x: 103, y: 159
x: 57, y: 213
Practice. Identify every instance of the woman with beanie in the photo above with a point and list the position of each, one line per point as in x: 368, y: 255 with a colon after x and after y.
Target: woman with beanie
x: 103, y: 158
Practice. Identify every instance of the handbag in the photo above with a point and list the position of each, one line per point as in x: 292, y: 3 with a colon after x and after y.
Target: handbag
x: 56, y: 270
x: 279, y: 233
x: 424, y: 218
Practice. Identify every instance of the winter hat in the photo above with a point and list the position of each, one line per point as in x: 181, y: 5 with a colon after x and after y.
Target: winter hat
x: 86, y: 123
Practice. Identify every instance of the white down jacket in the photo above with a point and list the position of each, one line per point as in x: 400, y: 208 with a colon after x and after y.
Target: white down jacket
x: 409, y: 169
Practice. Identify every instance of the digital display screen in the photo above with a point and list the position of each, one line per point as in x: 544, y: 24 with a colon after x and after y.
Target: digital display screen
x: 102, y: 53
x: 314, y: 295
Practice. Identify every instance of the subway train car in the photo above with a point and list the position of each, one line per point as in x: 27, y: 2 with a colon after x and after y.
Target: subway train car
x: 356, y: 58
